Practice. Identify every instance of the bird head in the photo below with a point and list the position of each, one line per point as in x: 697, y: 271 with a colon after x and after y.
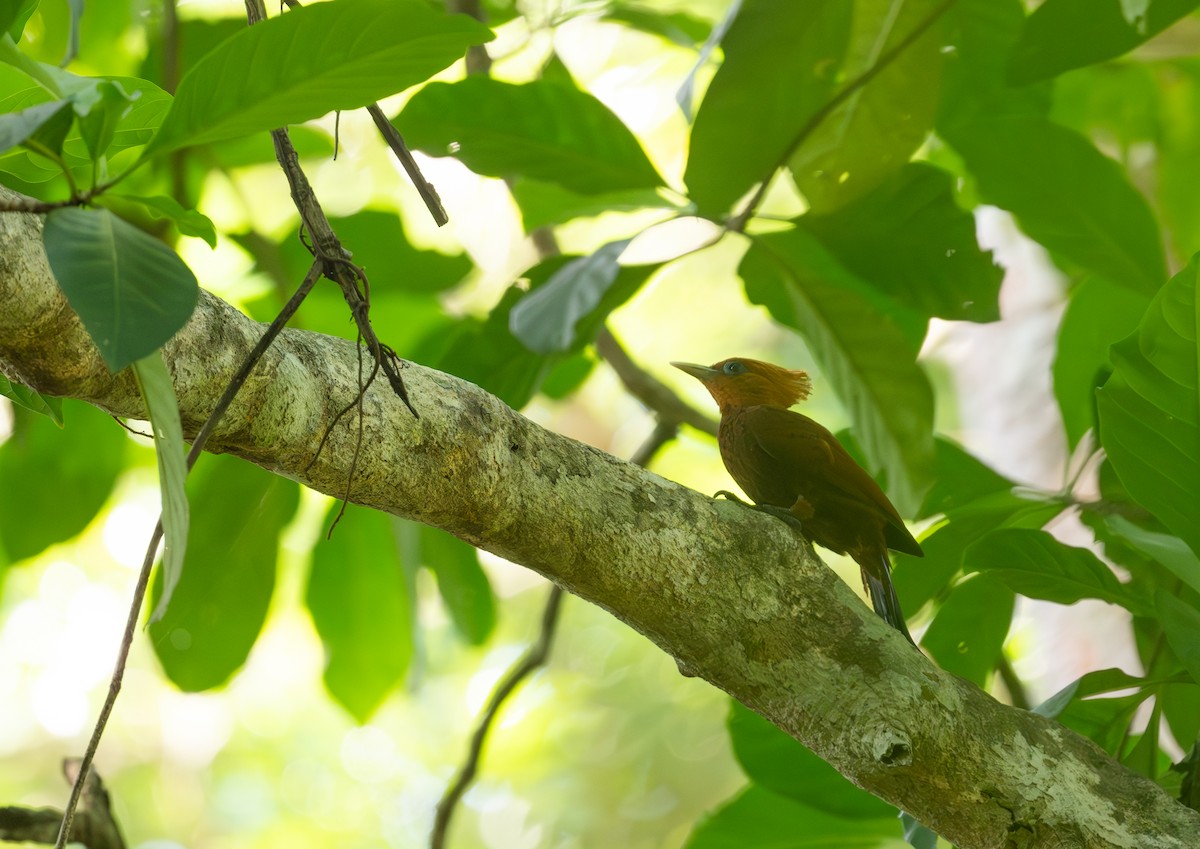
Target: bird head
x: 742, y: 382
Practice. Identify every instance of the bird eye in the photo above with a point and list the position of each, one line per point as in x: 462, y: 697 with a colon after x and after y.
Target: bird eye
x: 734, y: 367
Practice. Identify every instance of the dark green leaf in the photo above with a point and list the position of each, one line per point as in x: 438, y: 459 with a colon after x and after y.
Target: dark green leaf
x: 776, y: 761
x: 877, y: 129
x: 1064, y: 193
x: 1181, y: 624
x: 1166, y: 549
x: 191, y: 222
x: 237, y: 514
x: 546, y: 204
x: 130, y: 290
x: 1093, y: 684
x: 310, y: 61
x: 917, y: 835
x: 14, y: 14
x: 864, y: 354
x: 1150, y: 409
x: 1035, y: 564
x: 360, y: 604
x: 967, y: 635
x: 909, y: 239
x: 1098, y: 314
x: 20, y: 127
x: 154, y: 383
x: 486, y: 353
x: 1065, y: 34
x: 86, y: 457
x: 759, y: 818
x: 539, y: 130
x: 546, y: 319
x: 461, y: 581
x: 46, y: 405
x: 782, y: 61
x: 959, y: 479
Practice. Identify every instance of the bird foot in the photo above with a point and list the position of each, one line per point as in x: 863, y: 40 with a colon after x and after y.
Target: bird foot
x: 781, y: 513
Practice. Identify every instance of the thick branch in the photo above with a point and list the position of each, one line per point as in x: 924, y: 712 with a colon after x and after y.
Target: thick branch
x: 727, y: 591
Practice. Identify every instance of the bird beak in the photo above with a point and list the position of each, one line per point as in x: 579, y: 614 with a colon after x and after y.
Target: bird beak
x: 701, y: 373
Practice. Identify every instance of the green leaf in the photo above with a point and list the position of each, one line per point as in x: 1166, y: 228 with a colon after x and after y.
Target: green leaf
x: 1166, y: 549
x: 14, y: 14
x: 959, y: 479
x: 461, y: 582
x: 967, y: 635
x: 360, y: 604
x: 17, y: 128
x: 1093, y: 684
x: 909, y: 239
x: 130, y: 290
x: 45, y: 405
x: 1036, y: 565
x: 486, y: 353
x: 759, y: 818
x: 778, y: 762
x: 677, y: 27
x: 191, y: 222
x: 1181, y: 624
x: 100, y: 108
x: 1064, y: 193
x: 221, y: 601
x: 154, y: 382
x: 539, y: 130
x: 782, y: 61
x: 547, y: 204
x: 1065, y: 34
x: 310, y: 61
x: 1098, y: 314
x: 915, y: 834
x: 864, y: 354
x: 545, y: 320
x: 872, y: 135
x: 1150, y: 409
x: 40, y: 462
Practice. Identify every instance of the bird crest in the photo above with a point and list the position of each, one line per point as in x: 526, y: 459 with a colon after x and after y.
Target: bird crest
x: 743, y: 382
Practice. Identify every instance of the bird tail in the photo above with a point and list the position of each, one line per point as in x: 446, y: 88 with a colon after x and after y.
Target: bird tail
x: 877, y: 579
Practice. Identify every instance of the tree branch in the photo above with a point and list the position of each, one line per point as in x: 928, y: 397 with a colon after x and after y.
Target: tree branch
x: 727, y: 591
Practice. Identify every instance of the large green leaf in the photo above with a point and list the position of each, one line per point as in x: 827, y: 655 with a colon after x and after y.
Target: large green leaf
x: 154, y: 382
x: 190, y: 222
x: 545, y: 204
x: 55, y: 480
x: 778, y: 762
x: 461, y: 581
x: 130, y: 290
x: 911, y: 240
x: 1098, y: 314
x: 575, y: 300
x: 540, y: 130
x: 311, y: 61
x: 1150, y: 409
x: 967, y: 635
x: 217, y: 611
x: 1166, y: 549
x: 759, y: 818
x: 360, y: 603
x: 18, y: 127
x: 959, y: 479
x: 1065, y: 34
x: 865, y: 355
x: 1064, y: 193
x: 876, y: 130
x: 1181, y: 624
x: 1035, y: 564
x: 782, y: 61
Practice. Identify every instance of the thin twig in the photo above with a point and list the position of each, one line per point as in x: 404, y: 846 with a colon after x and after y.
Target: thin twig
x: 738, y: 222
x: 139, y: 591
x: 649, y: 390
x: 536, y: 655
x: 1017, y: 694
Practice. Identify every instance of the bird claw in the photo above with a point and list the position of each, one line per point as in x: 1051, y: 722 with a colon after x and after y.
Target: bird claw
x: 781, y: 513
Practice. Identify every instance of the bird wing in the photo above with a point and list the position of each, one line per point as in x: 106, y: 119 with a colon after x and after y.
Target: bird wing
x: 806, y: 451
